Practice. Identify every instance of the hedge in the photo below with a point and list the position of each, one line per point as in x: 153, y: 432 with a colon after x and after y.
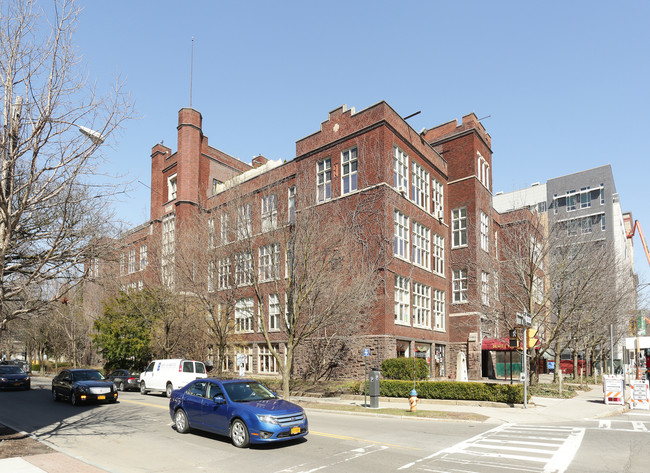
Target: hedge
x: 405, y: 368
x: 455, y: 390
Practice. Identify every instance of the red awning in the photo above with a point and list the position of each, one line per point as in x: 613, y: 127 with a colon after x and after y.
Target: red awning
x: 497, y: 344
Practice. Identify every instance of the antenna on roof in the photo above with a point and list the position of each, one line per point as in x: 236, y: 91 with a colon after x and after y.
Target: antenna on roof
x: 191, y: 70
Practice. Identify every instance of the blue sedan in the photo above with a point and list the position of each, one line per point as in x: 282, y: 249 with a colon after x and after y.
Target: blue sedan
x: 242, y: 409
x: 13, y: 377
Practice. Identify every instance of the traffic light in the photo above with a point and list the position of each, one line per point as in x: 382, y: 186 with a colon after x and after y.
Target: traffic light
x: 532, y: 341
x: 514, y: 343
x: 632, y: 327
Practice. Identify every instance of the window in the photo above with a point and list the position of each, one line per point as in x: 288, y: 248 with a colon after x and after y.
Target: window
x: 269, y: 212
x: 585, y: 225
x: 538, y: 289
x: 210, y: 276
x: 438, y: 254
x: 437, y: 195
x: 402, y: 300
x: 291, y: 205
x: 140, y: 285
x: 485, y: 288
x: 215, y: 185
x: 274, y: 313
x: 438, y: 310
x: 244, y: 221
x: 572, y: 227
x: 171, y: 187
x: 132, y: 260
x: 496, y: 286
x: 459, y: 285
x: 421, y: 245
x: 585, y: 197
x: 224, y: 229
x: 400, y: 169
x: 223, y: 267
x: 324, y: 179
x: 243, y: 269
x: 349, y: 165
x: 421, y: 305
x: 541, y: 206
x: 211, y: 233
x: 144, y: 258
x: 401, y: 223
x: 602, y: 223
x: 168, y: 249
x: 571, y: 200
x: 420, y: 190
x: 459, y: 227
x: 483, y: 170
x: 485, y: 226
x: 602, y: 194
x: 244, y: 315
x: 269, y: 262
x: 266, y: 361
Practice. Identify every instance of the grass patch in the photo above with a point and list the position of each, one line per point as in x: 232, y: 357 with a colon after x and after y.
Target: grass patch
x: 443, y: 415
x: 553, y: 390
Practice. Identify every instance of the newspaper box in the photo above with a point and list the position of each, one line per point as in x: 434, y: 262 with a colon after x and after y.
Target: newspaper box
x: 614, y: 389
x: 640, y: 395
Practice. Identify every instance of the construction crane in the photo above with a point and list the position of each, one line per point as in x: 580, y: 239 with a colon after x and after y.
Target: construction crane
x: 631, y: 234
x: 635, y: 322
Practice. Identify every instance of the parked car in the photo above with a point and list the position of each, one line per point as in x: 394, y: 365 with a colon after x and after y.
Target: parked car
x: 12, y: 376
x: 242, y: 409
x: 125, y: 379
x: 22, y: 363
x: 166, y: 375
x: 83, y: 385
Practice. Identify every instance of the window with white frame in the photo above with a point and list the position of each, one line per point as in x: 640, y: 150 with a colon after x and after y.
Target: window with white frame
x: 585, y: 197
x: 421, y: 305
x: 269, y: 262
x: 210, y: 276
x: 349, y: 165
x: 144, y: 258
x: 244, y: 315
x: 224, y: 230
x: 459, y: 227
x: 571, y: 200
x: 140, y: 285
x: 168, y: 249
x: 401, y: 224
x: 483, y: 170
x: 269, y: 212
x: 171, y: 187
x: 243, y: 269
x: 244, y: 221
x: 459, y: 285
x: 585, y: 225
x: 439, y: 310
x: 421, y: 253
x: 572, y: 227
x: 602, y: 222
x: 602, y: 194
x: 438, y: 254
x: 274, y: 313
x: 420, y: 187
x: 211, y: 234
x: 291, y: 204
x: 223, y: 269
x: 485, y: 228
x: 266, y: 361
x: 438, y: 198
x: 132, y: 260
x: 324, y: 180
x: 485, y: 288
x: 400, y: 169
x: 402, y: 300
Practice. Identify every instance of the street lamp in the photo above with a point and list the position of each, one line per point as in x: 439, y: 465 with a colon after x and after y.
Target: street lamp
x: 95, y: 136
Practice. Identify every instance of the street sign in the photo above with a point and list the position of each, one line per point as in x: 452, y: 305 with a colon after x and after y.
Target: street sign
x: 523, y: 319
x: 640, y: 395
x: 366, y: 352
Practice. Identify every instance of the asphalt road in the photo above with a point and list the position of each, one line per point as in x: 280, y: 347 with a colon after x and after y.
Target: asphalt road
x: 136, y: 435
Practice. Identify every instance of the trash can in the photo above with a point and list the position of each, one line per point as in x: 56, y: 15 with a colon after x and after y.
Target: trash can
x: 374, y: 388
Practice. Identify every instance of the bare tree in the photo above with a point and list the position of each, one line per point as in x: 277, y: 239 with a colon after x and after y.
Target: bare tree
x: 52, y: 194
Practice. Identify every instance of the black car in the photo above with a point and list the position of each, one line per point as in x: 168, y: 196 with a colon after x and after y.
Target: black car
x: 125, y: 379
x: 11, y: 376
x: 83, y: 385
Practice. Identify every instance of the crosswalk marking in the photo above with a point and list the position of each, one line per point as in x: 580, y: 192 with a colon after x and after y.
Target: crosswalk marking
x: 639, y: 426
x: 621, y: 425
x: 338, y: 460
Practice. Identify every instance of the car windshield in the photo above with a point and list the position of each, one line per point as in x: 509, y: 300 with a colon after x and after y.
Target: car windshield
x: 248, y: 391
x: 90, y: 375
x: 9, y: 369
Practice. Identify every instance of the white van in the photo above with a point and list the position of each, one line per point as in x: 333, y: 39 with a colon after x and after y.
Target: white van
x: 166, y: 375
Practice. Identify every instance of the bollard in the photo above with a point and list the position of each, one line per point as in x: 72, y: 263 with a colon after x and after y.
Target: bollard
x: 413, y: 400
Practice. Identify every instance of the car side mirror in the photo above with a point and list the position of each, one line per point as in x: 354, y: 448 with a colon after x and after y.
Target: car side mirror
x: 219, y: 399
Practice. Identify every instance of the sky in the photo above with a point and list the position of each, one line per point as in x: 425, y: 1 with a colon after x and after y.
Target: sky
x: 561, y: 86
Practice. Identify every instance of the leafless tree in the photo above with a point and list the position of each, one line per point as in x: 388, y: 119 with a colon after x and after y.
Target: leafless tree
x: 53, y: 196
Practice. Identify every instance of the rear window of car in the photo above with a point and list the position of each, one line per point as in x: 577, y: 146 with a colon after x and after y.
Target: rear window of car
x: 188, y: 367
x: 200, y: 367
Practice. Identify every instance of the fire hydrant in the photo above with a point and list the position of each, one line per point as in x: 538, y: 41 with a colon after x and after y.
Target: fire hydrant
x: 413, y: 400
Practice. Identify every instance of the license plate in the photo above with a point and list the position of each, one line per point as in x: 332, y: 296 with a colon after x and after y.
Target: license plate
x: 101, y: 397
x: 17, y: 384
x: 295, y: 430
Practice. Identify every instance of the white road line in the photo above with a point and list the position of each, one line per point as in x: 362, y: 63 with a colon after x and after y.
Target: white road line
x: 522, y: 442
x: 339, y: 459
x: 604, y: 424
x: 564, y: 456
x: 640, y: 426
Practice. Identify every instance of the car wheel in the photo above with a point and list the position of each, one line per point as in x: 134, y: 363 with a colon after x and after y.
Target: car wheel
x: 143, y: 388
x: 182, y: 424
x: 120, y: 387
x: 73, y: 399
x: 168, y: 390
x: 239, y: 434
x: 55, y: 396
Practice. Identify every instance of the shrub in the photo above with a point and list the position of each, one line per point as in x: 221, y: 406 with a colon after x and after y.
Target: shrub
x: 506, y: 393
x: 405, y: 368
